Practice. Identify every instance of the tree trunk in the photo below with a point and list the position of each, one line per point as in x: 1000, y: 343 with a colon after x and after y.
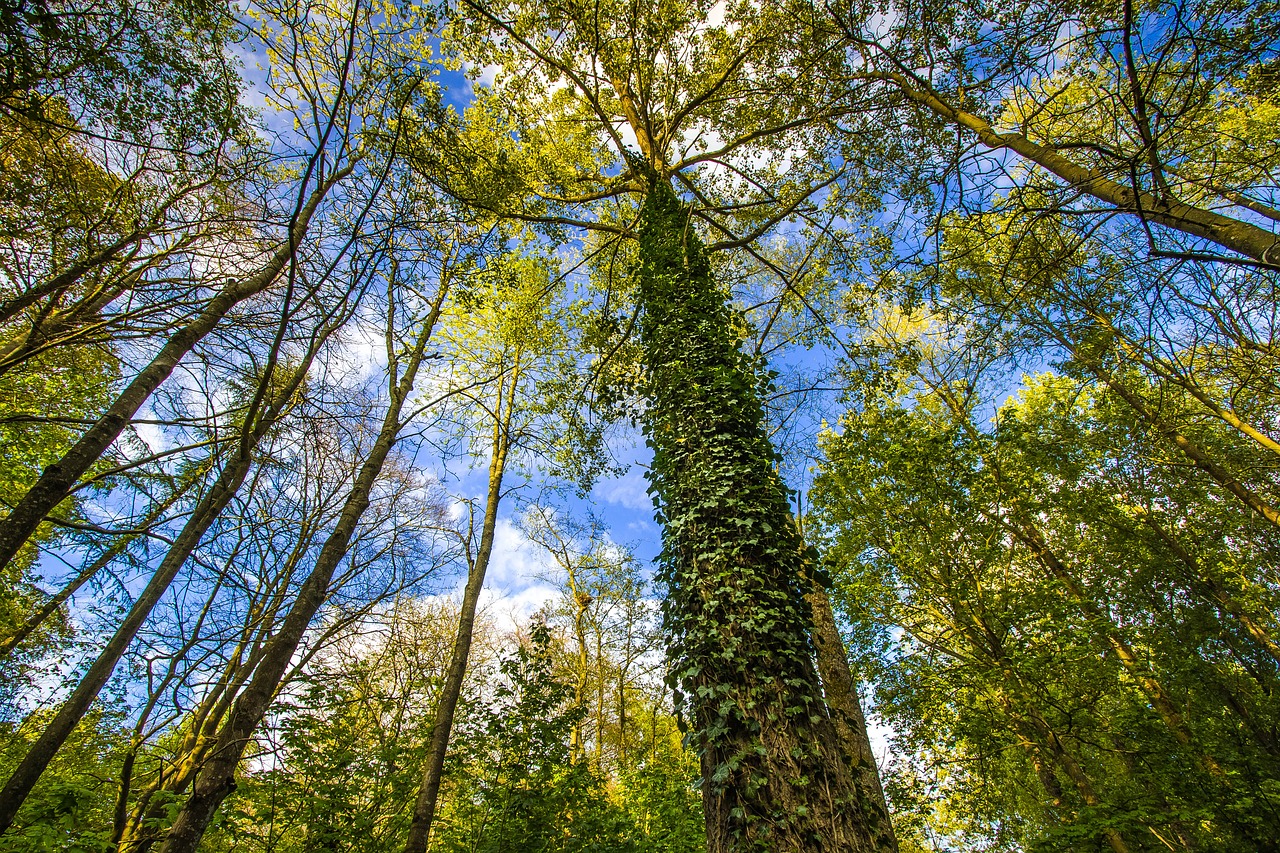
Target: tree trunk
x: 851, y: 726
x: 206, y: 511
x: 57, y: 481
x: 986, y: 643
x: 1236, y: 235
x: 217, y: 777
x: 424, y: 809
x: 774, y: 775
x: 55, y: 601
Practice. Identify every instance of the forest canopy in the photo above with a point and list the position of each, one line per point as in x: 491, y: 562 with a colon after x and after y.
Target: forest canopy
x: 707, y: 426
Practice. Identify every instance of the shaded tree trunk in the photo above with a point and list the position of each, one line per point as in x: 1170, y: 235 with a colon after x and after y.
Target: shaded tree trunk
x: 851, y: 725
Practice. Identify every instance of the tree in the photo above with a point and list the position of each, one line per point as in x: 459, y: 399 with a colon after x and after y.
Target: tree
x: 71, y: 811
x: 344, y: 749
x: 124, y: 140
x: 531, y: 794
x: 415, y: 320
x: 333, y: 157
x: 670, y: 77
x: 1149, y: 111
x: 1049, y: 646
x: 508, y: 331
x: 607, y: 625
x: 773, y: 772
x: 201, y: 653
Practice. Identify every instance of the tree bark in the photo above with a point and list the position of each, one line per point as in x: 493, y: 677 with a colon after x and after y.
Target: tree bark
x: 841, y: 693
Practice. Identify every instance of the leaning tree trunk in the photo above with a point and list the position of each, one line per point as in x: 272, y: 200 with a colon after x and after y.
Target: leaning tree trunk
x: 216, y: 779
x: 206, y: 511
x: 738, y: 624
x: 59, y: 478
x: 424, y: 809
x: 841, y: 693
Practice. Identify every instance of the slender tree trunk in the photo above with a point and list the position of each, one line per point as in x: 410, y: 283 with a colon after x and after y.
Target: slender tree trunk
x: 209, y: 508
x: 577, y: 749
x: 136, y: 833
x: 987, y: 644
x: 623, y: 674
x: 58, y: 327
x: 54, y: 285
x: 424, y: 808
x: 1076, y: 774
x: 1164, y: 706
x: 1019, y: 523
x: 1236, y: 235
x: 206, y: 511
x: 774, y: 774
x: 138, y: 740
x: 1199, y: 457
x: 55, y: 601
x: 599, y: 697
x: 216, y: 779
x: 1217, y: 591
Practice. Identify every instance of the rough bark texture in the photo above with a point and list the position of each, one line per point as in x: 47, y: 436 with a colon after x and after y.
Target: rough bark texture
x: 774, y: 775
x: 851, y: 725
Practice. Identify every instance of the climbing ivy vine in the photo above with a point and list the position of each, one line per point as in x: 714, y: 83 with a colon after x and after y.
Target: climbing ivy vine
x: 734, y: 564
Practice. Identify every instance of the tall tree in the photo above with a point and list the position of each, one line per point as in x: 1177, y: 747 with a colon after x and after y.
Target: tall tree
x: 332, y: 154
x: 774, y: 776
x: 412, y: 316
x: 707, y: 102
x: 1003, y: 577
x: 511, y: 338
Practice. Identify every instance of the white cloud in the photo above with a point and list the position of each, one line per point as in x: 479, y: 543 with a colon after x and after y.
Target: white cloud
x: 510, y: 611
x: 153, y: 437
x: 628, y: 136
x: 485, y: 77
x: 516, y: 583
x: 627, y: 491
x: 715, y: 15
x: 880, y: 737
x: 361, y: 353
x: 516, y: 562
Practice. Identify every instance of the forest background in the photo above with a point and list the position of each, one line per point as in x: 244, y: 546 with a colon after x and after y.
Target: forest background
x: 326, y: 325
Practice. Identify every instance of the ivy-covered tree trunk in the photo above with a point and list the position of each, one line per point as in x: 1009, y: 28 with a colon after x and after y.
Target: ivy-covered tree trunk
x: 737, y: 621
